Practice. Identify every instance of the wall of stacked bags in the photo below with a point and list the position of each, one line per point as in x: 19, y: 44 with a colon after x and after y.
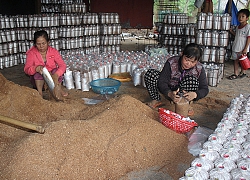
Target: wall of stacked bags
x: 83, y: 68
x: 63, y: 6
x: 87, y: 32
x: 211, y: 32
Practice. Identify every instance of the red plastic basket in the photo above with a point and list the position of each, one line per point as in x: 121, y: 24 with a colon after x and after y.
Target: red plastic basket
x: 174, y: 121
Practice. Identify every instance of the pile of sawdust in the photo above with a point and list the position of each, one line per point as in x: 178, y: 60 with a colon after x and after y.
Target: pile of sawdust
x: 106, y: 141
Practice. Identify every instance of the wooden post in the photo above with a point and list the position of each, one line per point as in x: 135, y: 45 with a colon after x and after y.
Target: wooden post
x: 38, y: 6
x: 230, y: 7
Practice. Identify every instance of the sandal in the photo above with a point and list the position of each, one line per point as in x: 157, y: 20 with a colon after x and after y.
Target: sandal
x: 241, y: 75
x: 233, y: 76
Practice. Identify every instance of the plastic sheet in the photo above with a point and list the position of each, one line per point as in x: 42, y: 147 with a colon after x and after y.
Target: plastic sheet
x: 197, y: 139
x: 98, y: 99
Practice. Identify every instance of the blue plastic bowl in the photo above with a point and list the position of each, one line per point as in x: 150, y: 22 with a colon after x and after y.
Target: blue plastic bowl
x: 105, y: 86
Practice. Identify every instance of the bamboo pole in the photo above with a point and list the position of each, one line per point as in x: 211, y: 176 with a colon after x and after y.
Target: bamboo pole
x: 26, y: 125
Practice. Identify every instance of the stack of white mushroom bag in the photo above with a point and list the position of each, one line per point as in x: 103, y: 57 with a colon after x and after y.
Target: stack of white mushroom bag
x: 226, y: 153
x: 71, y: 76
x: 83, y: 68
x: 147, y: 60
x: 157, y: 57
x: 68, y: 81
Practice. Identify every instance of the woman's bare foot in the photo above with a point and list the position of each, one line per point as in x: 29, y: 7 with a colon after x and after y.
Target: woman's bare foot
x: 64, y: 94
x: 57, y: 92
x: 154, y: 104
x: 191, y: 111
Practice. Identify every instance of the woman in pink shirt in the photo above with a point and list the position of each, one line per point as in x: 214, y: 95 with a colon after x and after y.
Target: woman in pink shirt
x: 42, y: 55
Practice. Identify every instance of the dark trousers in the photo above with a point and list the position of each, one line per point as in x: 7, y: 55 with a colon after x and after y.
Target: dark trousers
x: 151, y: 81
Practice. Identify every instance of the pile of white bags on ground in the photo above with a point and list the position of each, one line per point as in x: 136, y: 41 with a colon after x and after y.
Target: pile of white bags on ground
x: 226, y: 153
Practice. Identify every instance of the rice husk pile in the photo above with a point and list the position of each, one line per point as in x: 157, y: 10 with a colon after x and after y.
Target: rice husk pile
x: 105, y: 141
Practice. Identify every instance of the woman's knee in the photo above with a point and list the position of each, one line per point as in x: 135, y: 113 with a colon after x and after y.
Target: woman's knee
x: 151, y: 75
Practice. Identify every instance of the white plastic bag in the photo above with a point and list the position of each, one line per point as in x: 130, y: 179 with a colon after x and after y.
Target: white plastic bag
x: 197, y: 139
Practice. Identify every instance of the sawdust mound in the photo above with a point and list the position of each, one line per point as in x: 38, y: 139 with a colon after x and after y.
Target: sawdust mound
x: 25, y: 104
x: 121, y: 139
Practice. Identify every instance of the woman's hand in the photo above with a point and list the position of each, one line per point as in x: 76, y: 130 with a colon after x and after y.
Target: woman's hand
x: 39, y: 69
x: 190, y: 95
x: 173, y: 95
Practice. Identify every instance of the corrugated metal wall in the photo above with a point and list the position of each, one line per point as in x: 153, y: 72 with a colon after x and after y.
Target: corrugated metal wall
x: 132, y: 13
x: 14, y: 7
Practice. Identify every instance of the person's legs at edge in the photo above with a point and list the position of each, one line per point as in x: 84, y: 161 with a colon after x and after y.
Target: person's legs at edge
x: 242, y: 73
x: 235, y: 57
x: 236, y: 67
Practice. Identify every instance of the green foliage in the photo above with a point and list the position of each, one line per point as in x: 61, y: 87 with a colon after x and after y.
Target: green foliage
x: 186, y: 6
x: 183, y: 6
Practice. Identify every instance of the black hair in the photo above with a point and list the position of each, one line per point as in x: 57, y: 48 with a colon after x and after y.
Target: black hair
x: 41, y: 33
x: 243, y: 11
x: 192, y: 50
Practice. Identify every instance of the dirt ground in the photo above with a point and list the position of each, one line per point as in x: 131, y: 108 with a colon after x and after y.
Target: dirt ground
x: 119, y: 138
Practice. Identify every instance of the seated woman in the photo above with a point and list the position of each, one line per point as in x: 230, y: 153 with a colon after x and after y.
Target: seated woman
x: 181, y: 76
x: 42, y: 55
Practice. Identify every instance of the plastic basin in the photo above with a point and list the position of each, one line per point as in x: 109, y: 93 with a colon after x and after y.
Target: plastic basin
x: 105, y: 86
